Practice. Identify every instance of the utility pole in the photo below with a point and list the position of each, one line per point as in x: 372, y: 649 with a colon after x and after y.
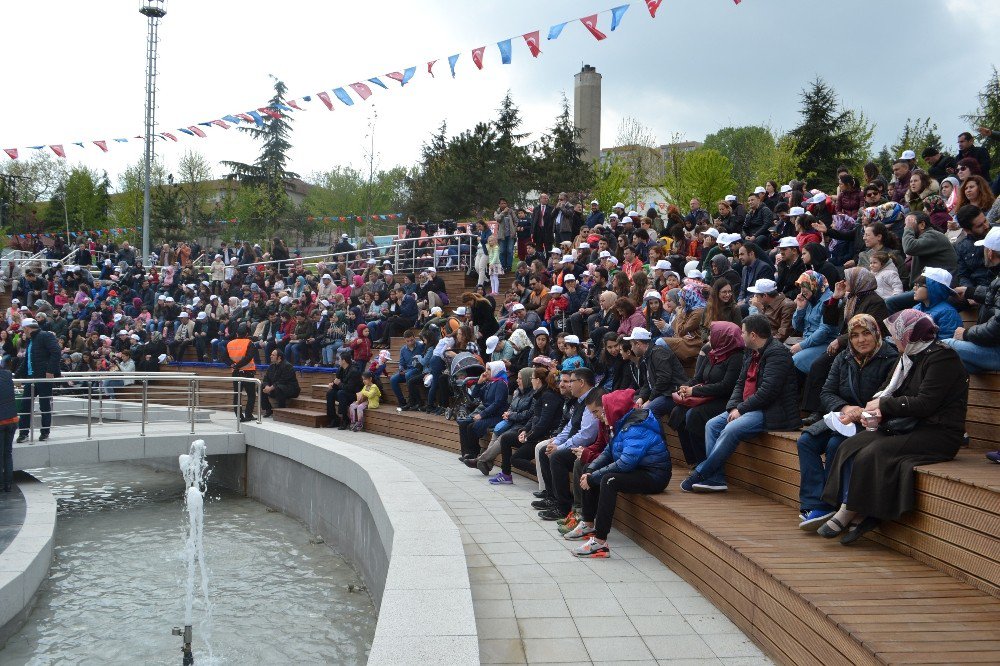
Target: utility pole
x: 153, y: 10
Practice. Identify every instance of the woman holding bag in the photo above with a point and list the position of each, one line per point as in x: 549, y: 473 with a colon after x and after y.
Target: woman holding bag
x: 716, y: 373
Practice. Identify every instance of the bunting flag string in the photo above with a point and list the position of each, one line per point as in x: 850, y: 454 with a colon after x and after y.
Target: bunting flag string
x: 118, y: 231
x: 363, y: 91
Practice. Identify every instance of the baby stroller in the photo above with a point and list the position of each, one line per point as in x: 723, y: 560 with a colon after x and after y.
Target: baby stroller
x: 463, y: 376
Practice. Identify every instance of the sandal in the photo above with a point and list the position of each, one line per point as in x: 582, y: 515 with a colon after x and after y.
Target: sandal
x: 828, y: 532
x: 862, y: 528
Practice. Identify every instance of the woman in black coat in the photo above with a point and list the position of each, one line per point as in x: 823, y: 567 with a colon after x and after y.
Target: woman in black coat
x: 858, y: 372
x: 921, y: 414
x: 716, y: 373
x: 852, y: 296
x: 483, y: 315
x: 517, y: 446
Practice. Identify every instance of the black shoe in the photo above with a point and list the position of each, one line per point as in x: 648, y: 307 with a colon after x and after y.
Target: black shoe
x: 815, y: 417
x: 551, y: 514
x: 859, y: 530
x: 341, y: 427
x: 485, y: 467
x: 438, y: 412
x: 7, y: 489
x: 471, y: 462
x: 267, y: 414
x: 540, y: 494
x: 247, y: 417
x: 463, y: 457
x: 405, y: 408
x: 43, y: 437
x: 22, y: 438
x: 545, y: 503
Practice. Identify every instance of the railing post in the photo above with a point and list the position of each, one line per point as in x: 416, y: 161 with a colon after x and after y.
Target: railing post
x: 31, y: 413
x: 100, y: 404
x: 191, y: 392
x: 260, y: 410
x: 145, y: 406
x: 90, y: 408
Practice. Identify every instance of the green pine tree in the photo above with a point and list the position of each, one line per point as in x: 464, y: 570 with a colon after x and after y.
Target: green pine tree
x: 559, y: 164
x: 987, y: 114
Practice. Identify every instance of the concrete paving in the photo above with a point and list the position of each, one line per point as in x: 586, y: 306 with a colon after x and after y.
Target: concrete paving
x: 535, y: 603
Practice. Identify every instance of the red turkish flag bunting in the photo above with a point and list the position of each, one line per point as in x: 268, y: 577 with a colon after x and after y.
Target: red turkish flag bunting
x: 396, y: 76
x: 198, y: 131
x: 653, y: 5
x: 11, y: 153
x: 58, y: 150
x: 103, y: 145
x: 430, y: 67
x: 364, y: 92
x: 590, y: 22
x: 477, y: 56
x: 325, y: 97
x: 170, y: 136
x: 295, y: 105
x: 245, y: 118
x: 274, y: 113
x: 221, y: 123
x: 531, y: 39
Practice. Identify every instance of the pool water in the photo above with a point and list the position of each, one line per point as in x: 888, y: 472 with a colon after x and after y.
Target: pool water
x: 116, y: 585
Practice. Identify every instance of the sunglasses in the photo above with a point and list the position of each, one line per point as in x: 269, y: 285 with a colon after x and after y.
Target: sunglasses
x: 963, y: 168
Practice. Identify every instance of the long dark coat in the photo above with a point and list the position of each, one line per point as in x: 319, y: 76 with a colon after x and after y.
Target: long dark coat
x: 936, y: 392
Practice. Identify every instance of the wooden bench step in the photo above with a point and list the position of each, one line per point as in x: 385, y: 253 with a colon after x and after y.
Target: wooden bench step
x: 303, y: 417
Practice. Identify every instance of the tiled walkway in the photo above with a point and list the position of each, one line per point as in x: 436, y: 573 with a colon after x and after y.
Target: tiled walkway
x: 536, y: 603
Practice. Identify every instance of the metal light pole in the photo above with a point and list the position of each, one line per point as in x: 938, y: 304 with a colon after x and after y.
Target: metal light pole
x: 153, y: 10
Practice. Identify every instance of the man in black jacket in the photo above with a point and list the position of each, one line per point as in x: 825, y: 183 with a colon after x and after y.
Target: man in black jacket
x: 757, y: 226
x: 41, y: 359
x: 662, y: 370
x: 979, y: 346
x: 8, y: 424
x: 765, y: 398
x: 941, y: 164
x: 280, y: 383
x: 541, y: 224
x: 342, y: 392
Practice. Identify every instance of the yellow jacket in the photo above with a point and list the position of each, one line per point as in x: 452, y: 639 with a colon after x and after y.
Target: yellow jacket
x: 373, y: 395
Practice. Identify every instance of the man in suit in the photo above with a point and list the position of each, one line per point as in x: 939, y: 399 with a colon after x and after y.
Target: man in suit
x: 541, y: 224
x: 280, y: 383
x: 41, y: 359
x: 8, y: 424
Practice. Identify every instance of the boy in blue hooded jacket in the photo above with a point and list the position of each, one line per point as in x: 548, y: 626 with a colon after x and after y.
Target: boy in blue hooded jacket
x: 931, y: 291
x: 636, y: 461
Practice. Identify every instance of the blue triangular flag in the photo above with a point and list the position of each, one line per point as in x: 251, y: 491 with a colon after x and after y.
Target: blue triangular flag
x: 452, y: 59
x: 616, y: 15
x: 555, y: 30
x: 186, y: 131
x: 78, y: 143
x: 207, y: 124
x: 343, y: 96
x: 504, y: 47
x: 407, y: 75
x: 377, y: 81
x: 307, y: 98
x: 257, y: 118
x: 122, y: 140
x: 285, y: 107
x: 34, y: 148
x: 231, y: 119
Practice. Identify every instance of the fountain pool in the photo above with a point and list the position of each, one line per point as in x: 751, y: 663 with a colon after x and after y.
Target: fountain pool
x: 118, y: 578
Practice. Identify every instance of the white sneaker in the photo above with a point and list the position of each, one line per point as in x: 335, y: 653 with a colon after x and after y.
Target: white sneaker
x: 581, y: 531
x: 593, y: 549
x: 710, y: 487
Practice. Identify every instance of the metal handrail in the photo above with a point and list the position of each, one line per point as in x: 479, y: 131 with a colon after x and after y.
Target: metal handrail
x: 89, y: 380
x: 442, y: 257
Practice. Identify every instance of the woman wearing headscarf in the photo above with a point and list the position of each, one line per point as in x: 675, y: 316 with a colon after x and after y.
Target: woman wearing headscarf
x: 808, y: 318
x: 854, y: 295
x: 921, y: 420
x: 687, y: 342
x: 519, y: 341
x: 857, y: 372
x: 491, y: 392
x: 715, y: 375
x: 518, y: 413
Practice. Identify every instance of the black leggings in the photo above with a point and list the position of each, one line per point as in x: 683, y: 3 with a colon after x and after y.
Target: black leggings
x: 512, y: 449
x: 818, y: 372
x: 599, y: 502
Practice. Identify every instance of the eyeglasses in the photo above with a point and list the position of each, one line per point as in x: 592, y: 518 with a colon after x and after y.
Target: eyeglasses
x: 963, y: 168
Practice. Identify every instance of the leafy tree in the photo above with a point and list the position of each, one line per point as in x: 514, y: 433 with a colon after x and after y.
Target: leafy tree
x: 781, y: 163
x: 167, y: 213
x: 125, y: 208
x: 987, y: 114
x: 269, y: 170
x: 705, y: 174
x: 81, y: 201
x: 611, y: 181
x: 194, y: 172
x: 36, y: 179
x: 638, y: 152
x: 343, y: 190
x: 750, y: 149
x: 829, y: 135
x: 559, y: 165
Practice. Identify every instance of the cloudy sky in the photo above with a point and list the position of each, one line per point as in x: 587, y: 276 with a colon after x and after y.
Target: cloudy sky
x: 75, y: 70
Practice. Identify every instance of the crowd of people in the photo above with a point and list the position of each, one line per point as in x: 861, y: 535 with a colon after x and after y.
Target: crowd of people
x: 844, y: 305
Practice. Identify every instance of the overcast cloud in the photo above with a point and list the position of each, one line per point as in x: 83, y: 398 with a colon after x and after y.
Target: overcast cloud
x: 75, y: 71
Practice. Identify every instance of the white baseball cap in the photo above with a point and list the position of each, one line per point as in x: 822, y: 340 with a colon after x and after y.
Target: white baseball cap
x: 595, y: 202
x: 571, y: 340
x: 613, y: 260
x: 939, y: 275
x: 244, y: 303
x: 460, y: 311
x: 202, y: 315
x: 652, y: 293
x: 371, y: 262
x: 566, y: 260
x: 387, y: 272
x: 795, y: 211
x: 541, y: 330
x: 585, y: 274
x: 604, y: 254
x: 662, y: 265
x: 763, y: 286
x: 711, y: 231
x: 725, y: 240
x: 569, y: 276
x: 583, y: 246
x: 785, y: 189
x: 556, y: 289
x: 285, y: 300
x: 170, y: 299
x: 819, y: 197
x: 619, y: 205
x: 759, y: 190
x: 28, y: 322
x: 730, y: 197
x: 135, y: 336
x: 491, y: 344
x: 633, y: 213
x: 692, y: 266
x: 556, y: 250
x: 437, y: 311
x: 788, y: 241
x: 639, y: 333
x: 908, y: 155
x: 327, y: 276
x: 992, y: 240
x: 343, y: 235
x: 161, y: 358
x: 184, y: 314
x: 118, y: 316
x: 517, y: 307
x: 613, y: 216
x: 431, y: 269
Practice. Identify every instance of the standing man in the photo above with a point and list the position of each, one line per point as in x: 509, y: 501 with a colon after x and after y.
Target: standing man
x: 506, y: 233
x: 541, y: 224
x: 8, y: 425
x: 596, y: 215
x: 241, y: 359
x: 967, y: 148
x: 41, y: 359
x: 280, y: 383
x: 941, y: 165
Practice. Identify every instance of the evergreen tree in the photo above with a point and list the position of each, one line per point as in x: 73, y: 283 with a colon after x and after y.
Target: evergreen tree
x: 268, y: 171
x: 829, y: 135
x: 166, y: 214
x: 747, y: 148
x: 987, y: 114
x: 559, y: 165
x: 511, y: 168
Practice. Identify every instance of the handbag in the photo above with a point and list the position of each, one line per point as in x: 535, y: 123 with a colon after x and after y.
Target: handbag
x: 690, y: 401
x: 899, y: 425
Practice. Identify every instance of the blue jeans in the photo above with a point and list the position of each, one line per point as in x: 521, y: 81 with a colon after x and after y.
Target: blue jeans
x: 899, y: 302
x: 330, y: 352
x: 218, y: 348
x: 293, y: 351
x: 661, y: 405
x: 722, y: 438
x: 804, y: 359
x: 111, y: 384
x: 812, y: 452
x: 507, y: 253
x: 976, y: 358
x: 398, y: 379
x: 436, y: 368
